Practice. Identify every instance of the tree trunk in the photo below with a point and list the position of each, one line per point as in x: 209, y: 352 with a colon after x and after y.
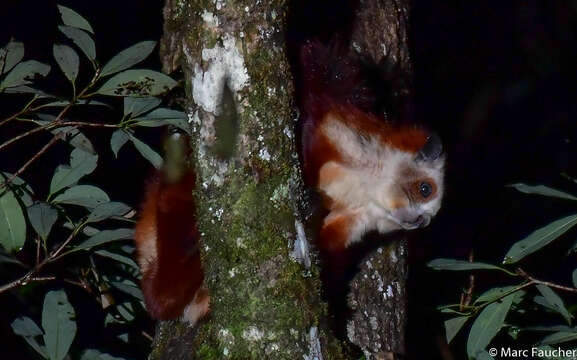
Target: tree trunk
x: 378, y: 292
x: 264, y: 285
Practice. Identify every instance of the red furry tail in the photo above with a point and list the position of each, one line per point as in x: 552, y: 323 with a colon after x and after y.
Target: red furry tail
x: 167, y: 242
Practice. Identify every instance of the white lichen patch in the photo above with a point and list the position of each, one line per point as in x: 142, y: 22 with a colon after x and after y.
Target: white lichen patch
x: 394, y: 258
x: 288, y: 132
x: 264, y: 154
x: 272, y: 348
x: 222, y: 62
x: 226, y: 338
x: 315, y: 352
x: 279, y: 195
x: 301, y: 250
x: 389, y: 293
x: 240, y: 243
x: 252, y: 334
x: 373, y: 322
x: 209, y: 19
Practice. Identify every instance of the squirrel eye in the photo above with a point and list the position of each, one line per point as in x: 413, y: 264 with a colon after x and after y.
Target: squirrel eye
x: 425, y: 189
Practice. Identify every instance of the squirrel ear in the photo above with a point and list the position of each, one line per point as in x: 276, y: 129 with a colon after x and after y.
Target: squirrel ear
x: 432, y: 149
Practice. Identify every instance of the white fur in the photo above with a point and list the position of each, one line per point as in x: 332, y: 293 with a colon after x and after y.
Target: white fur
x: 370, y: 181
x: 196, y: 309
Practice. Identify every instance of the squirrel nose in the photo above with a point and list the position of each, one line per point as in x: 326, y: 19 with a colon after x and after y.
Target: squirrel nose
x: 419, y: 221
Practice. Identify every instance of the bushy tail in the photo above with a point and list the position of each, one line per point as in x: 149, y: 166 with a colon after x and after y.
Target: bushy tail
x: 167, y: 238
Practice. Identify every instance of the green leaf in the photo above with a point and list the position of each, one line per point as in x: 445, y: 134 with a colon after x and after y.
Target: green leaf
x: 574, y: 277
x: 24, y: 326
x: 22, y: 89
x: 149, y: 154
x: 493, y: 294
x: 103, y: 237
x: 460, y: 265
x: 68, y: 61
x: 553, y: 328
x: 86, y: 230
x: 117, y: 140
x: 27, y: 328
x: 10, y: 55
x: 72, y: 135
x: 22, y: 190
x: 107, y: 210
x: 135, y: 106
x: 543, y: 190
x: 74, y: 19
x: 81, y: 39
x: 81, y: 163
x: 24, y: 73
x: 539, y: 238
x: 126, y: 311
x: 42, y: 217
x: 128, y: 289
x: 555, y: 301
x: 92, y: 354
x: 75, y: 138
x: 163, y: 116
x: 452, y: 327
x: 128, y: 57
x: 58, y: 321
x: 118, y: 257
x: 83, y: 195
x: 77, y: 102
x: 559, y: 337
x: 12, y: 221
x: 137, y: 83
x: 487, y: 325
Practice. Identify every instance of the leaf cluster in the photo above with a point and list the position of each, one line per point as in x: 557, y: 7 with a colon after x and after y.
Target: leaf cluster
x: 489, y: 311
x: 72, y: 218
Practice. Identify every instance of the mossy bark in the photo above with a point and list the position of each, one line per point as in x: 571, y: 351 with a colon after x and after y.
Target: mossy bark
x: 264, y: 303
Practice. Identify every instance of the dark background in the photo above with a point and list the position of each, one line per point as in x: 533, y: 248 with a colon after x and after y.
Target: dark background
x: 496, y: 79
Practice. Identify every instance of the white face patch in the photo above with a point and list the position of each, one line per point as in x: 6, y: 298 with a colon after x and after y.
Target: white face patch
x: 374, y: 183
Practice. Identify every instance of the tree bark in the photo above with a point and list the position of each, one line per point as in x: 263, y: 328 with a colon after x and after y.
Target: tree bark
x: 378, y: 292
x: 265, y: 297
x: 264, y: 285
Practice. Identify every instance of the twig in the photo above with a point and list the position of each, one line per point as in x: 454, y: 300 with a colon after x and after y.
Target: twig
x: 147, y: 335
x: 57, y: 122
x: 29, y: 275
x: 21, y: 112
x: 533, y: 280
x: 467, y: 295
x: 32, y: 159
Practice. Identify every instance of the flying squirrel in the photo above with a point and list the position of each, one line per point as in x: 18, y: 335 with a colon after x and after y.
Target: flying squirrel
x: 372, y: 174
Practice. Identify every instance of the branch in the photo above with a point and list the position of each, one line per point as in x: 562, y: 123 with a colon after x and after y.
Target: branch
x: 21, y: 112
x: 535, y: 281
x: 32, y: 159
x: 29, y: 275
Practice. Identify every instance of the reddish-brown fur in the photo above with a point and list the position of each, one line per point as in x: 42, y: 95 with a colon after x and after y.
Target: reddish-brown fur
x: 167, y: 242
x: 324, y: 98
